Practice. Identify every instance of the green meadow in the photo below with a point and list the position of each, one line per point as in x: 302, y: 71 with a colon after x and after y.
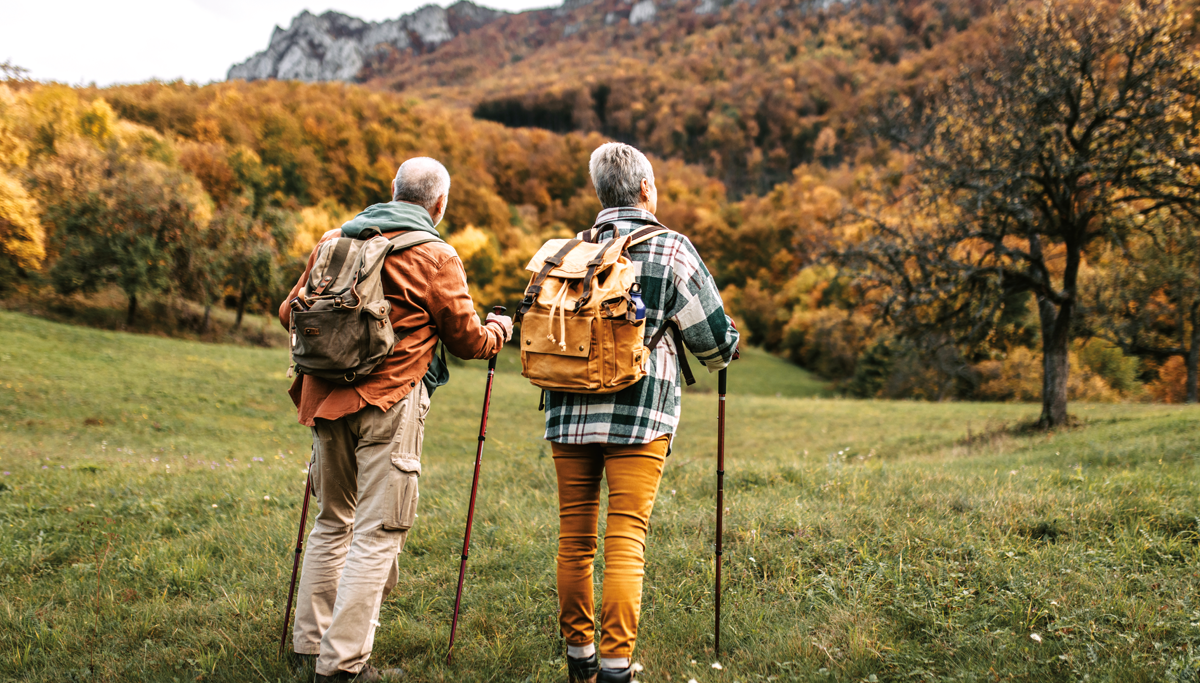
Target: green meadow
x: 150, y: 490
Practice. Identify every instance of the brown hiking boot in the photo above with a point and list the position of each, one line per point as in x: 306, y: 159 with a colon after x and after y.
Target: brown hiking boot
x: 582, y: 670
x: 369, y: 674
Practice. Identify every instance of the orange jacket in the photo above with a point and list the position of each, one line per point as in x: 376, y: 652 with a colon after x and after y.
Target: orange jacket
x: 427, y: 288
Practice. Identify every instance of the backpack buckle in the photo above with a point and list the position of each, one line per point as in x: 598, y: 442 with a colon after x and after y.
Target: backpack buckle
x: 527, y: 302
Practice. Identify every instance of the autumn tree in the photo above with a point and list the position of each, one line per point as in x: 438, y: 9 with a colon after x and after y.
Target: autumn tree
x: 252, y: 253
x: 22, y: 239
x: 1081, y: 113
x: 123, y: 229
x: 1146, y: 298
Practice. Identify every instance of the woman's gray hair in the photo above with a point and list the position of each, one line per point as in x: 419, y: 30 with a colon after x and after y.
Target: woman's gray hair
x: 617, y: 173
x: 421, y: 181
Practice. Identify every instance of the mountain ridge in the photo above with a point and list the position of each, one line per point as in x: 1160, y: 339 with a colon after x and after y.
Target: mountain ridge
x: 334, y: 47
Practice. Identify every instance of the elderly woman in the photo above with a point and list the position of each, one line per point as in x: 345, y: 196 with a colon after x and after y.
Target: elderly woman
x: 626, y: 436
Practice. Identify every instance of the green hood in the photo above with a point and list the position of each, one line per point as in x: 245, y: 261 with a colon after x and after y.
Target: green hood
x: 389, y: 217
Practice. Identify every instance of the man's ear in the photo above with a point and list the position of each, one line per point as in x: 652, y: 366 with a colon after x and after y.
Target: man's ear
x: 438, y: 212
x: 394, y: 188
x: 645, y: 189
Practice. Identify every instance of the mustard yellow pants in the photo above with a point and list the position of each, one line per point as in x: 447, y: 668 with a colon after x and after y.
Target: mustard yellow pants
x: 633, y: 472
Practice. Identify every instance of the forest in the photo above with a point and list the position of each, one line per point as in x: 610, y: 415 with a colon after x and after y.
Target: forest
x: 934, y: 200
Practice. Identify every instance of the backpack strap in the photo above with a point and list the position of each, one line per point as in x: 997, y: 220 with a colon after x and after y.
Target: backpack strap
x: 334, y: 266
x: 406, y: 239
x: 677, y: 336
x: 593, y: 233
x: 535, y: 287
x: 592, y: 265
x: 410, y: 238
x: 646, y: 233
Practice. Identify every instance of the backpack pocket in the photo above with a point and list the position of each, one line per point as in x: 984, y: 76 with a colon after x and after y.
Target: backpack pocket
x: 625, y: 354
x: 557, y: 354
x: 339, y: 343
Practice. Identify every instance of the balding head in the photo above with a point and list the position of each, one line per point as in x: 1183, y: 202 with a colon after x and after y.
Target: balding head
x: 424, y: 182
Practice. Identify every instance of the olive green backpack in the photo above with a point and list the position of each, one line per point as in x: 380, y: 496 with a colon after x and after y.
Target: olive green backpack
x: 340, y: 327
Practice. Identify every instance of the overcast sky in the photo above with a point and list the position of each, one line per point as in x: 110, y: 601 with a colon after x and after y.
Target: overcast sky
x: 129, y: 41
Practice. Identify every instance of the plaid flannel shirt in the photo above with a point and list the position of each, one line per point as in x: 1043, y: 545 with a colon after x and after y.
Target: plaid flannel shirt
x: 675, y: 286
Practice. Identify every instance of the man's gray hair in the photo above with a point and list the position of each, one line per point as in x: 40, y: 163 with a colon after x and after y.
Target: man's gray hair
x: 421, y: 181
x: 617, y: 172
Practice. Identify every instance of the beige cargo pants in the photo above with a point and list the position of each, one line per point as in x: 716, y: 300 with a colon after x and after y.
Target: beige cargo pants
x: 365, y: 469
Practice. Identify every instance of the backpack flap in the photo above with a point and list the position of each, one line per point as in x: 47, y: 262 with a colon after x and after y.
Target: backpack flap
x: 577, y: 261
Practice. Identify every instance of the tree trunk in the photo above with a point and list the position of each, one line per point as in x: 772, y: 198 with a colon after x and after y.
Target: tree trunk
x: 1193, y: 356
x: 1056, y: 325
x: 131, y: 312
x: 241, y: 311
x: 207, y: 316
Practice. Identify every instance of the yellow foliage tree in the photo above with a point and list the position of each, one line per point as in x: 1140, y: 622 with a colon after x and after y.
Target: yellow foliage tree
x: 22, y: 239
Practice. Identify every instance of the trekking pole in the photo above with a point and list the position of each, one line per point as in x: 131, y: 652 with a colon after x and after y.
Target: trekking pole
x: 720, y: 504
x: 287, y: 612
x: 462, y: 568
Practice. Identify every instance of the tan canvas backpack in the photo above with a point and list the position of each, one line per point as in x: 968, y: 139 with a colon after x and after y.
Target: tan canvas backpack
x: 580, y: 328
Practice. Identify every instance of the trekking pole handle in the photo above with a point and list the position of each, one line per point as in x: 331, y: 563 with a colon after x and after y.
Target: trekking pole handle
x: 721, y: 381
x: 498, y: 310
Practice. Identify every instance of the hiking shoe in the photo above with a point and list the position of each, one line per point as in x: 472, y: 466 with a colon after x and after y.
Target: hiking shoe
x: 369, y: 674
x: 615, y: 675
x: 582, y: 670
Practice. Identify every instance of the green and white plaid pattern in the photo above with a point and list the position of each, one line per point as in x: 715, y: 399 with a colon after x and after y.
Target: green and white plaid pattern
x: 675, y: 286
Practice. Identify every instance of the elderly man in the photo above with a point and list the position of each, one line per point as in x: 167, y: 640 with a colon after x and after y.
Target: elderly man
x: 367, y: 436
x: 626, y: 436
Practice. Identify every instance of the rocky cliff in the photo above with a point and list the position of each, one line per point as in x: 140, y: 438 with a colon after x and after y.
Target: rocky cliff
x: 334, y: 47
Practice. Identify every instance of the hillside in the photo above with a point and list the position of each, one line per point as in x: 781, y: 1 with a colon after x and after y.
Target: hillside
x: 749, y: 90
x: 757, y: 116
x: 150, y: 488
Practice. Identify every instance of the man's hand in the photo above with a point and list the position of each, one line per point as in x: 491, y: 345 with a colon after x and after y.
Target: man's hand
x: 505, y: 323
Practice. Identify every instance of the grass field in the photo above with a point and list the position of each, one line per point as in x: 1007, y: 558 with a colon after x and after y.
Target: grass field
x: 149, y: 491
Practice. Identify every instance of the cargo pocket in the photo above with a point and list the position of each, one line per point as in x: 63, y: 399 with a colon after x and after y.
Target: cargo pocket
x: 401, y: 498
x: 314, y: 476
